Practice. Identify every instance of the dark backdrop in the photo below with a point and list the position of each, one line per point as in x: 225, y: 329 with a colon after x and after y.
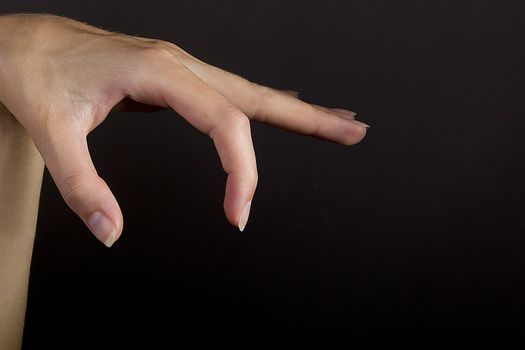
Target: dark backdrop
x: 419, y: 225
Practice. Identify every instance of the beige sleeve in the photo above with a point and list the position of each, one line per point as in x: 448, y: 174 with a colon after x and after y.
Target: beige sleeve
x: 21, y: 170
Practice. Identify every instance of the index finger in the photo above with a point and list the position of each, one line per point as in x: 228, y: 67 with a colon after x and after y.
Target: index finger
x: 272, y: 106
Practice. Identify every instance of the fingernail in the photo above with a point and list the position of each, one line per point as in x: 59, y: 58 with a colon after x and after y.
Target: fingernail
x: 360, y: 123
x: 102, y: 228
x: 344, y: 113
x: 244, y: 216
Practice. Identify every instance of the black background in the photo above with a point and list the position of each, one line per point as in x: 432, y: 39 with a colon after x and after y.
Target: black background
x: 419, y: 225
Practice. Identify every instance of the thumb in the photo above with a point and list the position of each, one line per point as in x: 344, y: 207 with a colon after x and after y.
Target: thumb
x: 67, y: 157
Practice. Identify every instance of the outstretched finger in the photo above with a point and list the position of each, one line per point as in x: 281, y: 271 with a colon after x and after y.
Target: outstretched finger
x: 280, y: 107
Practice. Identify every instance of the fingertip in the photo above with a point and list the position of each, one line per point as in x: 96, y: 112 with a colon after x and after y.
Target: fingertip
x: 102, y: 227
x: 92, y: 200
x: 353, y: 133
x: 245, y: 214
x: 238, y: 200
x: 106, y: 225
x: 239, y: 218
x: 361, y: 135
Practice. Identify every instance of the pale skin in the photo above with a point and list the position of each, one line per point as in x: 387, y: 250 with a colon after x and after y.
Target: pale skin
x: 59, y: 79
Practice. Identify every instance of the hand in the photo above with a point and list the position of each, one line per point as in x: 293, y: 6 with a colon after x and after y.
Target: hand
x: 60, y: 78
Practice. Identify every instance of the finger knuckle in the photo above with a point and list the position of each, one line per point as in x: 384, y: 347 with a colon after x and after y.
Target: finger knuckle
x: 262, y: 95
x: 262, y: 90
x: 239, y: 120
x: 234, y: 116
x: 71, y: 187
x: 163, y: 44
x: 155, y: 52
x: 169, y: 46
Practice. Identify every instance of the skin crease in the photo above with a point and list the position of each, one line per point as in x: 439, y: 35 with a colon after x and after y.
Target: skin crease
x: 59, y: 79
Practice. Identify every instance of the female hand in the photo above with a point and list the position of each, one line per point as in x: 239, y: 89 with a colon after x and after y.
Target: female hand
x: 60, y: 78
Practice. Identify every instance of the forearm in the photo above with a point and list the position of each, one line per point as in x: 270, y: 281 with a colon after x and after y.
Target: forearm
x: 21, y: 169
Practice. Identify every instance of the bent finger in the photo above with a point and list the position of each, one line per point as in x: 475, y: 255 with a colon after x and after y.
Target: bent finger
x: 65, y: 152
x: 168, y: 82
